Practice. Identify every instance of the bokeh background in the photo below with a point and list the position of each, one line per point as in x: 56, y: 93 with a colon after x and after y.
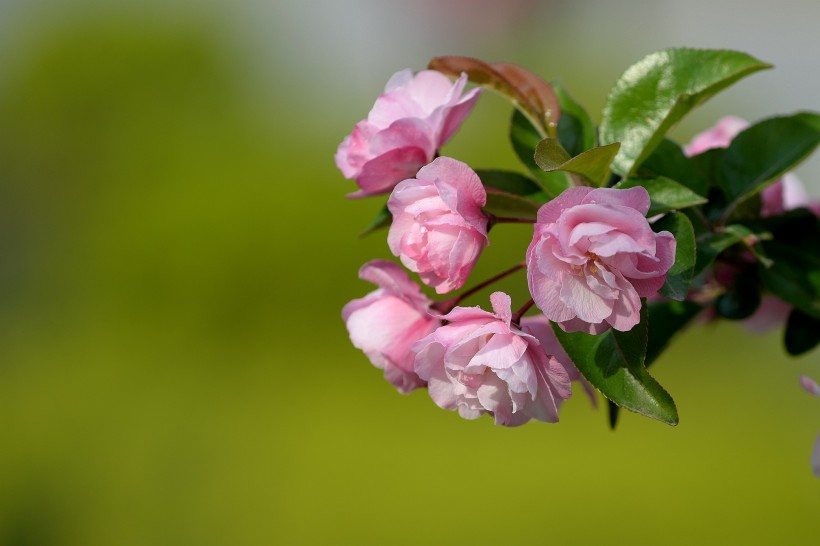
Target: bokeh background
x: 175, y: 249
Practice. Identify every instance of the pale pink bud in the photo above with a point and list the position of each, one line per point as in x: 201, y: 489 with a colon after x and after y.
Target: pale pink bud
x: 439, y: 229
x: 719, y: 136
x: 410, y: 121
x: 385, y: 323
x: 593, y: 256
x: 482, y: 363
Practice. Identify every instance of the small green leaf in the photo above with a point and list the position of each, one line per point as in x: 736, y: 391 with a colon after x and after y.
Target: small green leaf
x: 575, y: 128
x: 528, y: 92
x: 710, y: 244
x: 652, y: 95
x: 524, y: 139
x: 802, y: 333
x: 613, y: 362
x: 665, y: 194
x: 382, y: 220
x: 766, y: 150
x: 680, y: 274
x: 511, y: 182
x: 668, y: 160
x: 501, y: 203
x: 592, y: 164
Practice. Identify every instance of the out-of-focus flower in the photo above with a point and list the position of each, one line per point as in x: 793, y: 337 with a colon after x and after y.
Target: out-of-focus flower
x: 813, y: 388
x: 439, y: 229
x: 480, y: 363
x: 385, y: 323
x: 785, y: 194
x: 410, y: 121
x: 594, y: 255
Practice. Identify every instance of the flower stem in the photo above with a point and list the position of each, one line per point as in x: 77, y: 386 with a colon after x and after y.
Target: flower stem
x: 445, y: 306
x: 507, y: 220
x: 516, y: 318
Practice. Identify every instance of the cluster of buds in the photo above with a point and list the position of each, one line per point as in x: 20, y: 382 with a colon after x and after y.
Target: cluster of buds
x: 633, y: 235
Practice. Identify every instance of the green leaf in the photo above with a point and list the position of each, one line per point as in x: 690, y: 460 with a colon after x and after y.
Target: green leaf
x: 680, y: 274
x: 802, y: 333
x: 710, y: 244
x: 665, y: 194
x: 524, y: 139
x: 592, y: 164
x: 613, y: 362
x: 511, y: 182
x: 766, y: 150
x: 383, y: 219
x: 652, y: 95
x: 666, y: 319
x: 575, y: 128
x: 741, y: 298
x: 794, y: 275
x: 668, y: 160
x: 507, y: 204
x: 533, y: 96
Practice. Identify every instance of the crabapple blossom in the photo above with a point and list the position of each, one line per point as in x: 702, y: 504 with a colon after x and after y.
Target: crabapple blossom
x: 439, y: 229
x: 409, y: 122
x: 811, y: 387
x: 481, y: 362
x: 594, y: 255
x: 386, y: 322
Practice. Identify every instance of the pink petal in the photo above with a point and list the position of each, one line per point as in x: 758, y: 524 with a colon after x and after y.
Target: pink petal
x: 809, y: 385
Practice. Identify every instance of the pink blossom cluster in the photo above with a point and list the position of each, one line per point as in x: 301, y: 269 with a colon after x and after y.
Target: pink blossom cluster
x: 592, y: 258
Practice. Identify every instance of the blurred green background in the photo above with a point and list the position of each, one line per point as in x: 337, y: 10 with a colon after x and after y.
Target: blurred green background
x: 175, y: 250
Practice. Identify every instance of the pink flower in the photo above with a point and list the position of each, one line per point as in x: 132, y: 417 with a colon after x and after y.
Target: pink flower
x: 386, y: 322
x: 438, y: 227
x: 593, y: 256
x: 410, y: 121
x: 482, y: 363
x: 812, y: 388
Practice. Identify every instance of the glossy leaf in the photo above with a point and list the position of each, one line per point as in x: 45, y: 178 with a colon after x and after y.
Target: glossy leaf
x: 511, y: 182
x: 680, y: 274
x: 766, y: 150
x: 613, y: 362
x: 528, y: 92
x: 802, y: 333
x: 665, y: 194
x: 652, y: 95
x: 524, y: 138
x: 576, y: 131
x: 592, y: 164
x: 666, y: 320
x: 383, y: 219
x: 668, y: 160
